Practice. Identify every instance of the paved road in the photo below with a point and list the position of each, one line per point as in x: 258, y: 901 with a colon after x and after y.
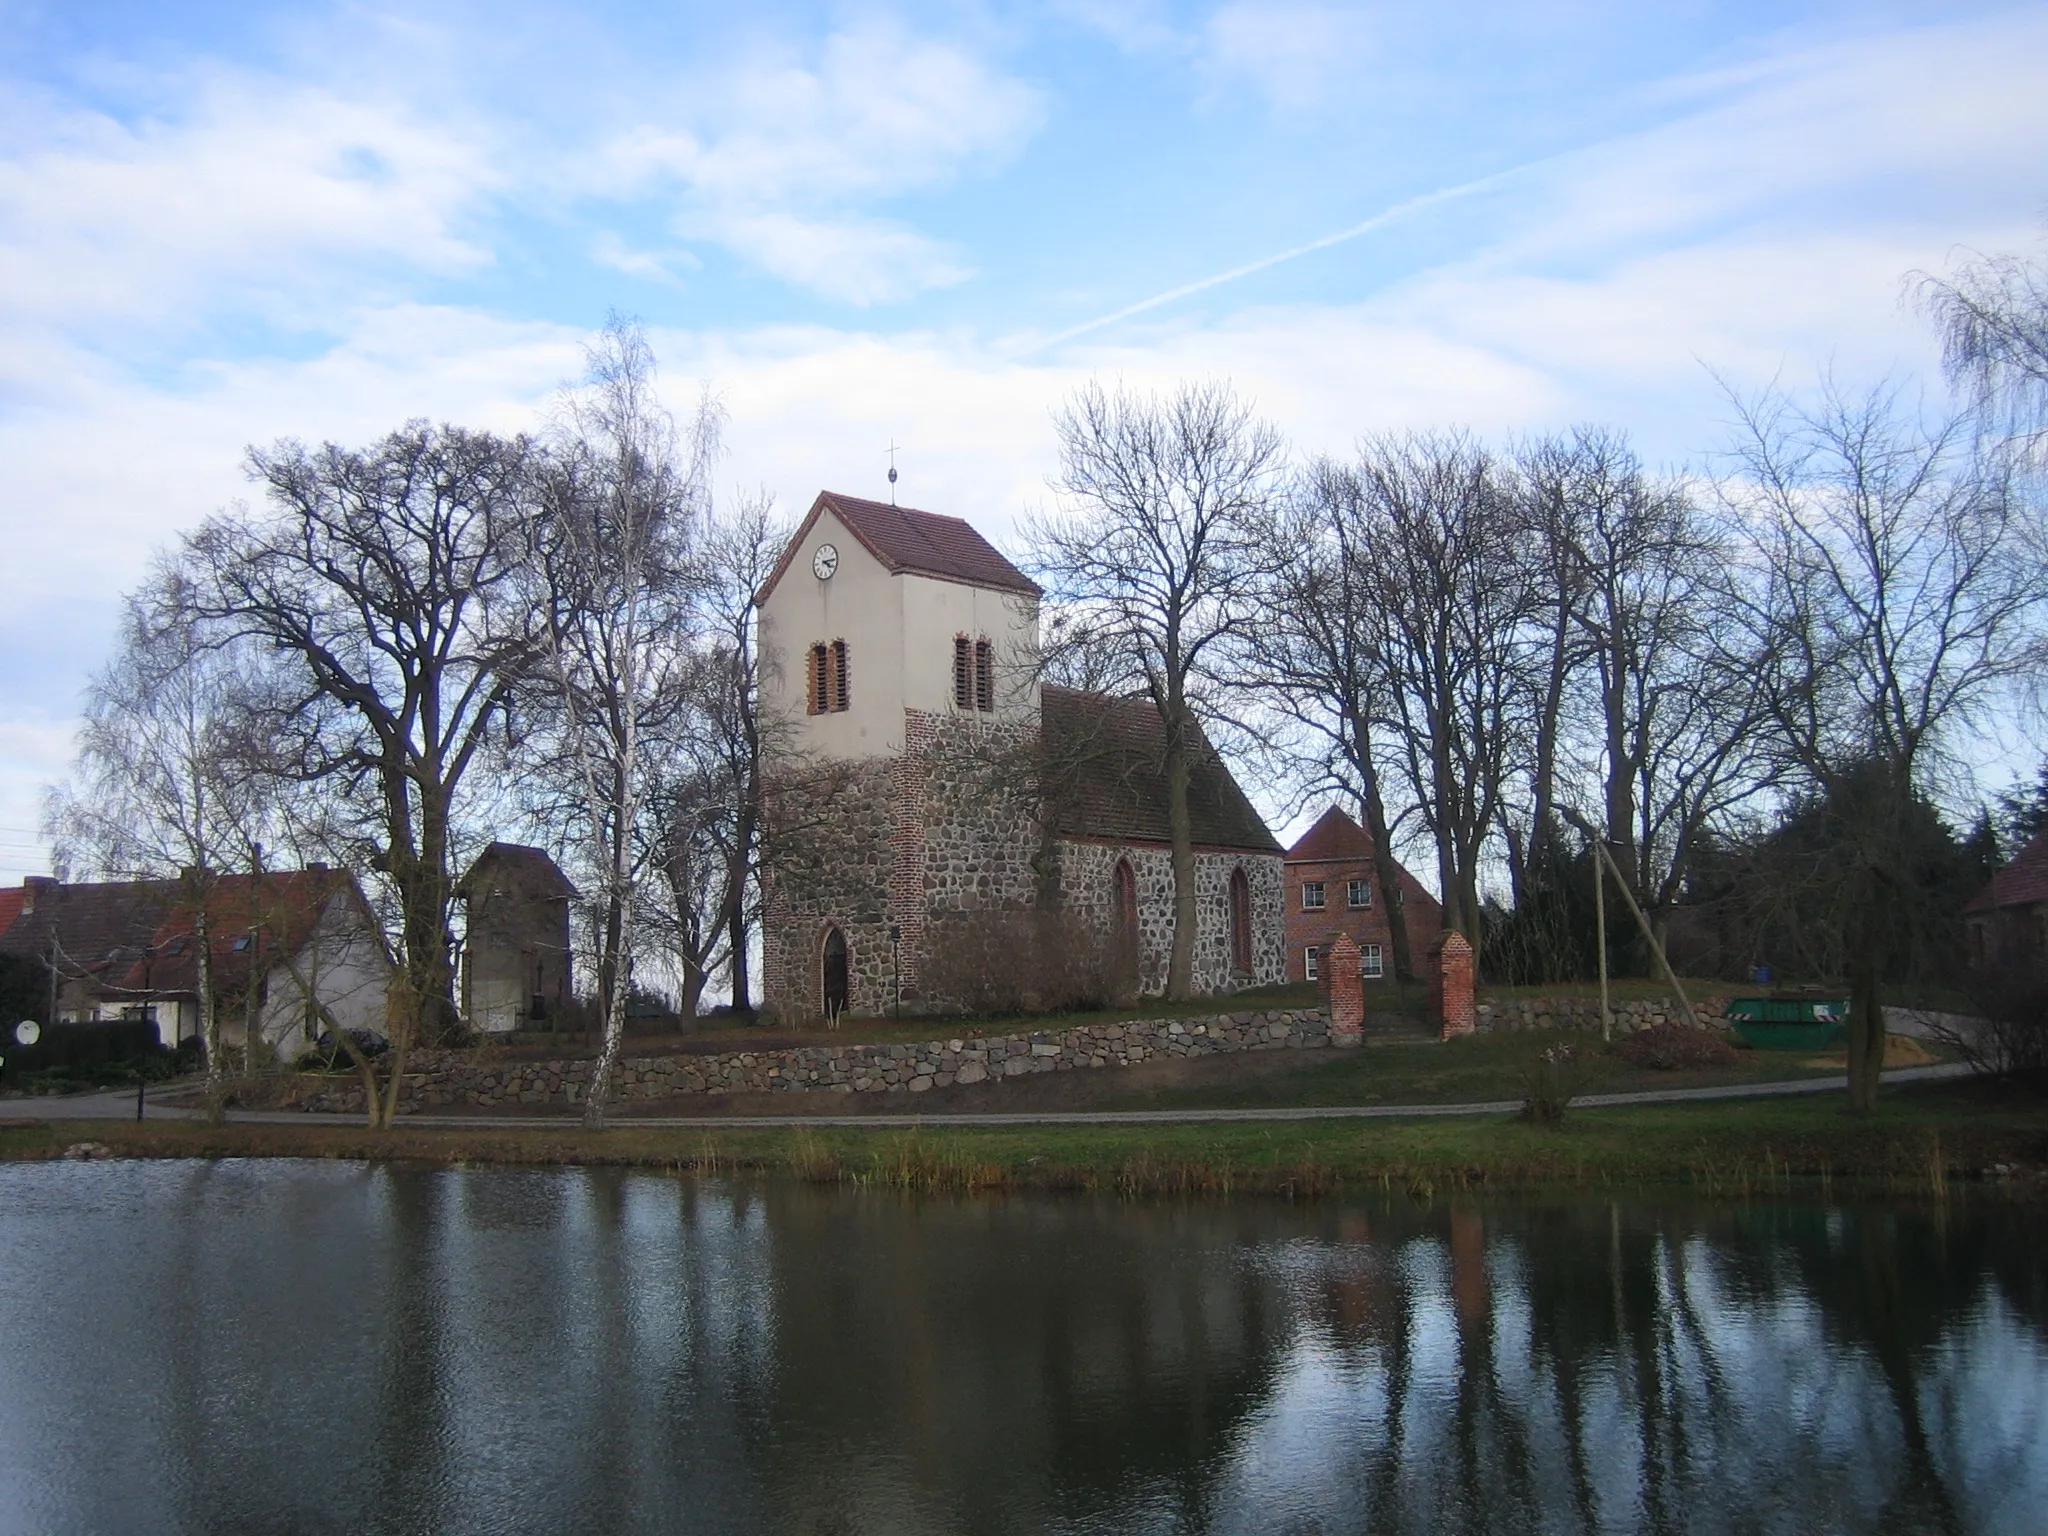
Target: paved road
x: 122, y: 1106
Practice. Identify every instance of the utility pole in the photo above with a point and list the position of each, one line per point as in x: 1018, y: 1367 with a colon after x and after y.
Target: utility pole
x: 1600, y: 940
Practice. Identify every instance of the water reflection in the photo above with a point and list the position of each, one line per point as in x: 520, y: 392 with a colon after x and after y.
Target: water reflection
x: 259, y: 1347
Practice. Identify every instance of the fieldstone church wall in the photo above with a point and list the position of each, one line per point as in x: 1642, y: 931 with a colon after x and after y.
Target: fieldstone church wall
x: 952, y: 825
x: 1087, y: 883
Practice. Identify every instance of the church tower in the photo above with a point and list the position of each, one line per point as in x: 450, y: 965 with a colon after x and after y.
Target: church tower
x: 883, y: 629
x: 916, y: 774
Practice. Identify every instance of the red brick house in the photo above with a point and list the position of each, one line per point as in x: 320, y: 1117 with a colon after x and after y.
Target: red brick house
x: 2007, y: 921
x: 1331, y: 886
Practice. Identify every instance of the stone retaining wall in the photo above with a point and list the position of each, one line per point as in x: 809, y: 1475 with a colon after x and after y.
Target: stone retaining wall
x: 1584, y: 1013
x: 446, y: 1079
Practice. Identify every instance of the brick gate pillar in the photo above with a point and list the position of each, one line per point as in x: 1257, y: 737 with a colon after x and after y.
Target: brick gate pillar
x: 1344, y: 990
x: 1450, y: 986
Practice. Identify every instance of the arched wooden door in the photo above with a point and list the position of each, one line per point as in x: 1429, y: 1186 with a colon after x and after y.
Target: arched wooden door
x: 835, y: 973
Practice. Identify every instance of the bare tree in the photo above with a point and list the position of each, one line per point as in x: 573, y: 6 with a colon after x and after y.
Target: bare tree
x: 160, y: 788
x: 1159, y: 547
x: 704, y: 792
x: 1321, y: 660
x: 385, y: 578
x: 609, y: 544
x: 1992, y: 313
x: 1450, y: 591
x: 1671, y: 703
x: 1888, y: 614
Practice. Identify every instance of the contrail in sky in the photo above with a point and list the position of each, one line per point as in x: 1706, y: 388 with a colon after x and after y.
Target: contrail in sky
x: 1379, y: 220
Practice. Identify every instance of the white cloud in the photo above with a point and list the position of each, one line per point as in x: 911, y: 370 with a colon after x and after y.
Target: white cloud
x: 258, y: 193
x: 778, y: 157
x: 1295, y: 55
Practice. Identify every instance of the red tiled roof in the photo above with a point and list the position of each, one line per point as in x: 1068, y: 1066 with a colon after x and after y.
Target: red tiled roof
x: 1105, y: 776
x: 98, y: 928
x: 2022, y: 883
x: 134, y: 936
x: 281, y: 910
x: 1336, y: 838
x: 906, y: 539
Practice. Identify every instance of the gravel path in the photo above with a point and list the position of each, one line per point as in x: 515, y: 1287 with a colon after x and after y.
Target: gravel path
x: 121, y: 1106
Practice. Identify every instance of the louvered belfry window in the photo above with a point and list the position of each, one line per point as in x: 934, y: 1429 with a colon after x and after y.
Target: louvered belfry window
x: 818, y: 679
x: 974, y: 674
x: 826, y: 681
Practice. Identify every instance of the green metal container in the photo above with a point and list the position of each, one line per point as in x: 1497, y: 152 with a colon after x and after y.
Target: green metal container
x: 1789, y: 1023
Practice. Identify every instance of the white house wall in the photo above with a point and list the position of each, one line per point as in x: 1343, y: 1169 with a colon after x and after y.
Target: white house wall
x: 346, y: 965
x: 863, y: 605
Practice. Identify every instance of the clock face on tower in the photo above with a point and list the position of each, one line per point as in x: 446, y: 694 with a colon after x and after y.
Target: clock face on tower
x: 824, y: 562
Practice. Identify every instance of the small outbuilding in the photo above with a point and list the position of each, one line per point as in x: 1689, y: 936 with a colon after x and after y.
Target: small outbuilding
x: 516, y: 971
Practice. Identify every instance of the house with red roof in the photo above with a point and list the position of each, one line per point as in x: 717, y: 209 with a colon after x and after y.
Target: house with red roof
x: 290, y: 951
x: 1332, y: 886
x: 2007, y: 921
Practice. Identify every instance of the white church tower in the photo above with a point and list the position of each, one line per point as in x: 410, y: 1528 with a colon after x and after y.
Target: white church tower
x: 881, y: 628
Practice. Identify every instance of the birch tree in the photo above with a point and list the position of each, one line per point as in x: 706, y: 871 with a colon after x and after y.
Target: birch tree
x: 161, y: 788
x: 1158, y: 546
x: 609, y: 546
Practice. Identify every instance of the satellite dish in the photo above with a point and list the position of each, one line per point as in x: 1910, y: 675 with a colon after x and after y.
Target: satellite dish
x: 28, y: 1032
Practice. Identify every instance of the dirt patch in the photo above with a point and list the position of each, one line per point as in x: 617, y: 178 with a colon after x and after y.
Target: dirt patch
x: 1899, y: 1051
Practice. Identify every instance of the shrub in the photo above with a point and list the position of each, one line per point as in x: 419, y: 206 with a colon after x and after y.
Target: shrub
x: 1018, y: 960
x: 1676, y: 1048
x: 1550, y: 1082
x: 2010, y: 1039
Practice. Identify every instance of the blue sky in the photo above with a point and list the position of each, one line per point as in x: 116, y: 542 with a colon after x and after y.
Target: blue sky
x: 225, y: 223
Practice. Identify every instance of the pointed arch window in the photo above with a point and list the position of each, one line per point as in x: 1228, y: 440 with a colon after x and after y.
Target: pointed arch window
x: 1124, y: 916
x: 836, y: 983
x: 1240, y: 920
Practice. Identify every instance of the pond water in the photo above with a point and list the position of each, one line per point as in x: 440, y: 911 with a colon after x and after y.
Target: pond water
x: 308, y: 1347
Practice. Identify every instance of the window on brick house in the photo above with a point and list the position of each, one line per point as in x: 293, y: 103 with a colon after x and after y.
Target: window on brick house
x: 1240, y: 921
x: 984, y: 676
x: 1358, y: 893
x: 1370, y: 965
x: 1309, y: 957
x: 826, y: 688
x: 1312, y: 896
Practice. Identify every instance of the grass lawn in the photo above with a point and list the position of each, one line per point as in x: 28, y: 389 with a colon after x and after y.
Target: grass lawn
x: 1922, y: 1138
x: 1475, y: 1069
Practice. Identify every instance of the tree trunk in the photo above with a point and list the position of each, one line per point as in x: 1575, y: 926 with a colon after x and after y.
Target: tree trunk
x: 614, y: 1030
x: 209, y: 1015
x: 1388, y: 872
x: 1180, y: 968
x: 1866, y: 1002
